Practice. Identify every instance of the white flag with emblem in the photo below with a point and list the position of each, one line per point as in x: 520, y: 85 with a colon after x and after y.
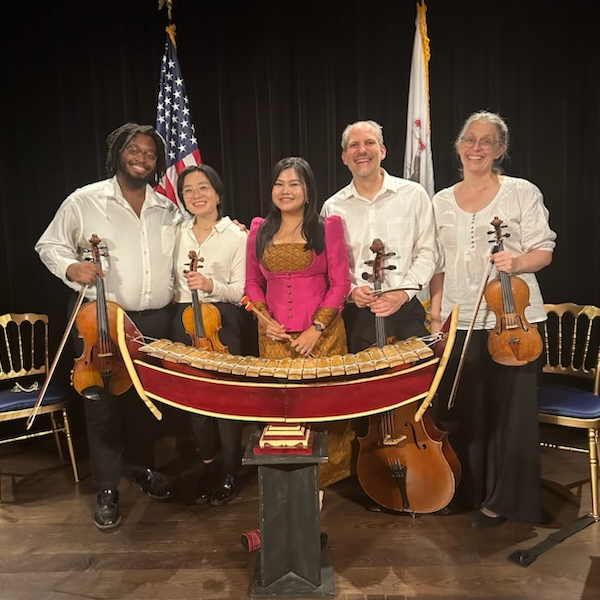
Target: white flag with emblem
x: 418, y: 161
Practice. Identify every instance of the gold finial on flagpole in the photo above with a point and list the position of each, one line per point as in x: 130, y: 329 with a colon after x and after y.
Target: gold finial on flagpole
x: 169, y: 3
x: 170, y: 28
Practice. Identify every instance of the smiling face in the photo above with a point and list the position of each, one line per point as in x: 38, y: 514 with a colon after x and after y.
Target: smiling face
x: 364, y: 153
x: 199, y: 196
x: 479, y: 147
x: 137, y: 162
x: 288, y: 193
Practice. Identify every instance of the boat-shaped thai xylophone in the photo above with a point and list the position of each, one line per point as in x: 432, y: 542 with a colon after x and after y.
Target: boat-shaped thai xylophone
x: 295, y: 390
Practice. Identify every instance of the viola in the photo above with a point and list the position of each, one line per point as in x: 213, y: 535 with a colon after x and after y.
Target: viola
x: 514, y: 341
x: 202, y: 320
x: 100, y: 368
x: 404, y: 464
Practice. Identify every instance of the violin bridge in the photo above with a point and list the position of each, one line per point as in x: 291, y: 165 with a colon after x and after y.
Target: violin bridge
x: 388, y: 440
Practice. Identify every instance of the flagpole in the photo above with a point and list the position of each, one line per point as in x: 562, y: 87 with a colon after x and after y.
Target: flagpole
x: 173, y: 116
x: 418, y: 159
x: 169, y: 5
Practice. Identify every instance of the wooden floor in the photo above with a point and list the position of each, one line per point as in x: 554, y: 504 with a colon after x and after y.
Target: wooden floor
x: 176, y: 551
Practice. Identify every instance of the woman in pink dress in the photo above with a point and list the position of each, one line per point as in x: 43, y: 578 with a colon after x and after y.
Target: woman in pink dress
x: 297, y: 274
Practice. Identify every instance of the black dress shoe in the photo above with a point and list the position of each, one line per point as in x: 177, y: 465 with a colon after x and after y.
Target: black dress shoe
x: 107, y: 510
x: 455, y: 507
x: 483, y: 521
x: 154, y: 484
x: 223, y: 493
x: 206, y: 485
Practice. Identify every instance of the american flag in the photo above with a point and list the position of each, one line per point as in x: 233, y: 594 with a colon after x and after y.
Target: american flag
x: 173, y: 123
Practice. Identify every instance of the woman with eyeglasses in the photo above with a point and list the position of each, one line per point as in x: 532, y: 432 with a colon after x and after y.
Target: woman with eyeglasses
x: 215, y: 273
x: 493, y: 421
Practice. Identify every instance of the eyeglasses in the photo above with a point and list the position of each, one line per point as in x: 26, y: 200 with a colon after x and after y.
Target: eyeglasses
x: 201, y: 189
x: 484, y: 143
x: 137, y: 152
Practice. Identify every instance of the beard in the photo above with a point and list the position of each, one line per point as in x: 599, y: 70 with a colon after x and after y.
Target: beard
x: 132, y: 179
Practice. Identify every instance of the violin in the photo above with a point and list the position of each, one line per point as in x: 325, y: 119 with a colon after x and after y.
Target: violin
x: 100, y: 368
x: 514, y: 341
x: 202, y: 320
x: 404, y: 464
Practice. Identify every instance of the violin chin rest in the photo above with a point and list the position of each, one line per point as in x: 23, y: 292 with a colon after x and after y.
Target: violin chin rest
x: 94, y: 392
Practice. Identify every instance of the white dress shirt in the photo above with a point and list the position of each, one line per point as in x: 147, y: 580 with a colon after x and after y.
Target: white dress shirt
x: 401, y: 216
x: 221, y: 258
x: 136, y: 252
x: 465, y: 240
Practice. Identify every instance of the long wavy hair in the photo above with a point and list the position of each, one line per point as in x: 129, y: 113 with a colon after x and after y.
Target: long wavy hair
x: 313, y: 229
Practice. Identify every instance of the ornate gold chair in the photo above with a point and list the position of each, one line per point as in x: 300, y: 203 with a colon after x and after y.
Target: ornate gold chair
x: 23, y: 368
x: 570, y: 394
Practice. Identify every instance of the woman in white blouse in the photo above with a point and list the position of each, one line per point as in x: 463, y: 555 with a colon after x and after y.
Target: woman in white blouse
x: 494, y: 421
x: 220, y: 246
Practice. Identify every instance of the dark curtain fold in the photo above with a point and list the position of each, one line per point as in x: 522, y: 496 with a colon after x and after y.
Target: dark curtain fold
x: 268, y: 79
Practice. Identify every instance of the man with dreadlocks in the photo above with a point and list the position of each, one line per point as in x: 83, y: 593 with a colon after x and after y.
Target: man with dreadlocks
x: 137, y: 226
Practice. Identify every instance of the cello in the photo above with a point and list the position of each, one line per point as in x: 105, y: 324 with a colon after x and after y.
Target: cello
x: 514, y: 341
x: 100, y: 369
x: 202, y: 320
x: 404, y: 464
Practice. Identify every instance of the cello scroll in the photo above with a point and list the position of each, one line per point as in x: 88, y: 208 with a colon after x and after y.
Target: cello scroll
x: 404, y: 463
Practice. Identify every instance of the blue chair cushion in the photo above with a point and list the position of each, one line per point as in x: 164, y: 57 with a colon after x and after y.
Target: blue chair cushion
x: 566, y: 401
x: 9, y: 400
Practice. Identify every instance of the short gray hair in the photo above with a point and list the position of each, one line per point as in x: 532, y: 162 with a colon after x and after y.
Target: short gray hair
x: 346, y: 133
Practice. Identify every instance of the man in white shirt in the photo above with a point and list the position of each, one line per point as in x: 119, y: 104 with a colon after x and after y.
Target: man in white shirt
x: 137, y: 228
x: 399, y: 213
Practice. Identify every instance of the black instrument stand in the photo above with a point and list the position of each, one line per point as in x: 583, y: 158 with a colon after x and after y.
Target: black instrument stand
x: 292, y: 561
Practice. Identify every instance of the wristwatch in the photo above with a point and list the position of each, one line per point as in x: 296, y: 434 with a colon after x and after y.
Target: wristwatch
x: 318, y: 326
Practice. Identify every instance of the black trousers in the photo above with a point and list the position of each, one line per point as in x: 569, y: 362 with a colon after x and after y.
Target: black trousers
x: 494, y: 429
x: 361, y: 327
x: 121, y: 431
x: 208, y: 431
x: 360, y: 324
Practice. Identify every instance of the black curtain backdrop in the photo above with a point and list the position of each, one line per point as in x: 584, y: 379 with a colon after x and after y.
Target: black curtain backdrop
x: 268, y: 79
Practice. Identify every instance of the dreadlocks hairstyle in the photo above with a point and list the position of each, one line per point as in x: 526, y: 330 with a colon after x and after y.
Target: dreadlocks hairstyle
x: 117, y: 141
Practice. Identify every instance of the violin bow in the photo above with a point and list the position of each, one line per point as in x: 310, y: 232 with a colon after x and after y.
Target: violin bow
x: 461, y: 362
x: 61, y: 346
x: 414, y: 288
